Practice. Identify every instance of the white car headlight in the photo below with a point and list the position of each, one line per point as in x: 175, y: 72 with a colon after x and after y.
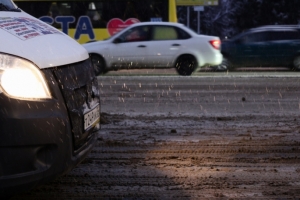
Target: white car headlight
x: 19, y: 78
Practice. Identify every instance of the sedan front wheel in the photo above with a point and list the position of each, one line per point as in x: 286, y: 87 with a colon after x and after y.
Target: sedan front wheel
x: 98, y: 64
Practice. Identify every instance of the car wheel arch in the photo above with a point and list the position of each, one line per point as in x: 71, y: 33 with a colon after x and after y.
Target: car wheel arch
x: 197, y: 55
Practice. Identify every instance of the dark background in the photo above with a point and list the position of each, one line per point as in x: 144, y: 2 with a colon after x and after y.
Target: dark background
x: 231, y: 17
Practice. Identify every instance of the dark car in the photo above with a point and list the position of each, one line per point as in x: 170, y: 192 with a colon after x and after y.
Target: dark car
x: 266, y: 46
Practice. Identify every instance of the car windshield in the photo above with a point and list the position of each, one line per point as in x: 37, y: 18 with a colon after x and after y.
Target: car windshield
x: 6, y: 5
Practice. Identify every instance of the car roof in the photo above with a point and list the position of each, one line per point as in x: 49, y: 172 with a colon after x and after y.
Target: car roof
x: 157, y: 23
x: 266, y: 28
x: 275, y: 27
x: 153, y: 23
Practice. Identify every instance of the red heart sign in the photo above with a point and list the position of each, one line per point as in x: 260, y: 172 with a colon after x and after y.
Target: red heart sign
x: 115, y: 25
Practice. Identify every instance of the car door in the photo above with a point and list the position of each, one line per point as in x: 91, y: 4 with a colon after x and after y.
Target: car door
x: 249, y: 49
x: 164, y: 46
x: 283, y: 46
x: 265, y: 49
x: 129, y: 49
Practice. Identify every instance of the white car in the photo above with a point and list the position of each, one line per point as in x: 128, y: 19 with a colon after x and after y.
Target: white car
x: 49, y: 102
x: 155, y: 45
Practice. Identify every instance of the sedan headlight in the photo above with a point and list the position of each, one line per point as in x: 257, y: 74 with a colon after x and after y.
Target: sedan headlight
x: 20, y: 78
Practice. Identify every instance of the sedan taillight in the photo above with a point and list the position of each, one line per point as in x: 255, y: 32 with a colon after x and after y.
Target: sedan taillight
x: 216, y: 44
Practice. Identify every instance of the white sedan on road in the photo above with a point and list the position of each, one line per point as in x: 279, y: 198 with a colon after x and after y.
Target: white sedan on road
x: 155, y: 45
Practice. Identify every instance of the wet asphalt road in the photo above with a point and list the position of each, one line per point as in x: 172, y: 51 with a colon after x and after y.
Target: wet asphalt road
x: 208, y: 72
x: 213, y: 135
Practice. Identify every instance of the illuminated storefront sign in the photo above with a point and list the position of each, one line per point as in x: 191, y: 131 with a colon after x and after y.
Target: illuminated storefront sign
x: 84, y: 25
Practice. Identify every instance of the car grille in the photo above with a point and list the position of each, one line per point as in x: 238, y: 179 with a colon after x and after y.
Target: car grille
x: 79, y: 88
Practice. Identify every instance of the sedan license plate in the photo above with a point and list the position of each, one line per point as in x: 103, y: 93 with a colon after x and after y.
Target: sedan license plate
x: 92, y: 117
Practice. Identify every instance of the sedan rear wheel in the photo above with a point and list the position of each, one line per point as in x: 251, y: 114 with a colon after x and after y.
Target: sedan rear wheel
x: 98, y: 64
x: 185, y: 65
x: 296, y: 63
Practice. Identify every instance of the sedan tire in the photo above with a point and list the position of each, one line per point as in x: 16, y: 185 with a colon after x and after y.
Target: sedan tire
x: 98, y: 64
x: 185, y: 65
x: 296, y: 63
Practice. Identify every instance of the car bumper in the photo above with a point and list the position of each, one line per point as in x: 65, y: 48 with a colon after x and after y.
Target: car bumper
x: 36, y: 146
x: 210, y: 59
x: 215, y: 60
x: 43, y: 139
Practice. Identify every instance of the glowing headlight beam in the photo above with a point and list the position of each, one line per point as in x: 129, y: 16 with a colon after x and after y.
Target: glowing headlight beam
x: 21, y: 79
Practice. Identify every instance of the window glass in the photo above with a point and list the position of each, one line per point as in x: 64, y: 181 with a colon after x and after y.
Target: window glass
x: 136, y: 34
x: 182, y: 34
x: 284, y: 35
x: 164, y: 33
x: 254, y: 37
x: 100, y: 12
x: 7, y: 3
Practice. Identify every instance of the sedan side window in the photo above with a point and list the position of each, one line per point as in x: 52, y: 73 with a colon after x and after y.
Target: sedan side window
x: 285, y: 35
x: 255, y: 37
x: 164, y: 33
x: 182, y: 35
x: 135, y: 34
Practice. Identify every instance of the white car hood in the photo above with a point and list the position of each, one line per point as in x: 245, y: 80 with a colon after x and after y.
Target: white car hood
x: 29, y: 38
x: 100, y: 44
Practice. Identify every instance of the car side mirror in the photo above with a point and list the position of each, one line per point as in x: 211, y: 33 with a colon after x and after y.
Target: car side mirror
x: 117, y: 40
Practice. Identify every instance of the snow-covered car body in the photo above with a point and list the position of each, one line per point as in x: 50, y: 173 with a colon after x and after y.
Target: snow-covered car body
x: 155, y: 45
x: 49, y: 102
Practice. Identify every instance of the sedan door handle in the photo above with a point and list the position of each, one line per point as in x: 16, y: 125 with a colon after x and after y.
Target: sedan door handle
x: 142, y: 46
x: 175, y: 45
